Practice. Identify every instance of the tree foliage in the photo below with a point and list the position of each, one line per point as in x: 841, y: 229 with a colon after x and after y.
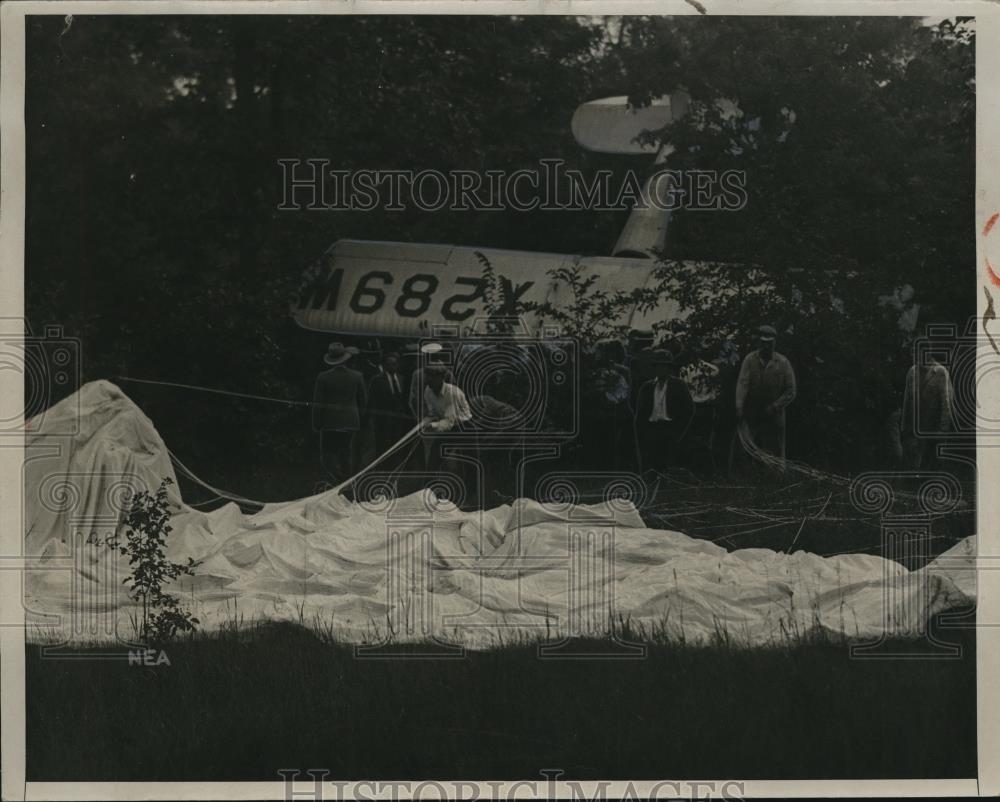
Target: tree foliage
x: 153, y: 233
x: 142, y: 538
x: 856, y: 136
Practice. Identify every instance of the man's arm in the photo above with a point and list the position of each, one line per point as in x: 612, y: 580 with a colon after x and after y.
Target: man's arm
x: 462, y: 411
x: 789, y: 393
x: 416, y: 391
x: 894, y: 434
x: 686, y: 405
x: 947, y: 400
x: 742, y: 385
x: 362, y: 395
x: 429, y: 405
x: 434, y: 416
x: 906, y: 427
x: 643, y: 409
x: 376, y: 395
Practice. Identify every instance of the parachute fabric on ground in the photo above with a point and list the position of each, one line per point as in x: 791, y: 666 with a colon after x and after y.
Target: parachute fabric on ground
x: 323, y: 559
x: 81, y: 456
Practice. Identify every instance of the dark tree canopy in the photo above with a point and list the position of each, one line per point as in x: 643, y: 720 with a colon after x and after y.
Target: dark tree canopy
x: 153, y: 233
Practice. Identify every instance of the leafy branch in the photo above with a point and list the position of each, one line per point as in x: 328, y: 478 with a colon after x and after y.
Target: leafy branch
x: 142, y: 538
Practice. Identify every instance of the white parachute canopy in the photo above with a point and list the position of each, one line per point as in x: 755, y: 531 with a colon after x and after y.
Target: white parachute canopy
x: 474, y: 576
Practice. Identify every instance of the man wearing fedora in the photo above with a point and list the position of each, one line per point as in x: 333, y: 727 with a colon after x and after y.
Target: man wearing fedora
x: 663, y: 413
x: 431, y: 354
x: 766, y: 386
x: 338, y: 403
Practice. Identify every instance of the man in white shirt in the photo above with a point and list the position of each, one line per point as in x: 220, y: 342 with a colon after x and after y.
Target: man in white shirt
x: 445, y: 405
x: 766, y: 386
x: 445, y: 409
x: 433, y: 353
x: 928, y: 402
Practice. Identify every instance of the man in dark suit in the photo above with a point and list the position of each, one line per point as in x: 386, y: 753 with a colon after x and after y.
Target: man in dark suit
x: 338, y: 403
x: 388, y: 404
x: 663, y: 413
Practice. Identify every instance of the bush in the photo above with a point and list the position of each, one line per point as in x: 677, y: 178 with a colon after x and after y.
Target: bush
x: 145, y: 529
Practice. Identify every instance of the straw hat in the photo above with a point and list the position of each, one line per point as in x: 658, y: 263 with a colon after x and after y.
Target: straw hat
x: 338, y: 353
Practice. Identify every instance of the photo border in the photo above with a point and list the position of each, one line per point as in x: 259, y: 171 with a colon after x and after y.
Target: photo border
x: 12, y: 218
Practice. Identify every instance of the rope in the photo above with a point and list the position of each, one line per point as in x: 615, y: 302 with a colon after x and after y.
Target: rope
x: 234, y: 394
x: 802, y: 525
x: 224, y: 494
x: 218, y: 493
x: 385, y: 455
x: 217, y: 392
x: 743, y: 432
x: 779, y: 464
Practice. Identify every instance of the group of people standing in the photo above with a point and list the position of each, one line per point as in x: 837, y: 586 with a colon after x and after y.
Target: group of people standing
x: 654, y: 409
x: 659, y: 420
x: 387, y: 403
x: 667, y: 412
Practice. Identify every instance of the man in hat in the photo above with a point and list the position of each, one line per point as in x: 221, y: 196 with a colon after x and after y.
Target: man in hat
x: 640, y: 349
x: 605, y: 413
x: 766, y: 386
x: 663, y: 413
x: 431, y: 353
x: 338, y: 402
x: 927, y: 412
x: 445, y: 405
x: 445, y: 408
x: 387, y: 404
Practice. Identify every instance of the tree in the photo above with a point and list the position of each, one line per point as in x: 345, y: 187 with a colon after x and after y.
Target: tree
x: 152, y: 145
x: 856, y: 139
x: 145, y: 531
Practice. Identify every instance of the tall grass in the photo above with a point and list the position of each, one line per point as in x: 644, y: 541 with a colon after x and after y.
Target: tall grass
x: 244, y: 702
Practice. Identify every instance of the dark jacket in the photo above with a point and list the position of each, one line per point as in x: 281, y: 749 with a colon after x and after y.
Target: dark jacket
x: 339, y: 400
x: 386, y: 408
x: 680, y: 407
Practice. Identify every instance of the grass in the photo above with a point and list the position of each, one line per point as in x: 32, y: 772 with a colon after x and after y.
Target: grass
x: 241, y: 705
